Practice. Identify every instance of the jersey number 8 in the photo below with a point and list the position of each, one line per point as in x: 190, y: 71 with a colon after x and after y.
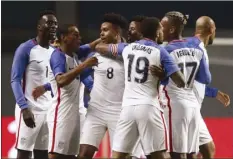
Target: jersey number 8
x: 110, y: 73
x: 140, y: 70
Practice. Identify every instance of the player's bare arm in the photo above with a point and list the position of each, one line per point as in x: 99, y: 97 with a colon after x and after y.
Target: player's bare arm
x: 157, y: 71
x: 67, y: 78
x: 94, y: 43
x: 102, y: 49
x: 178, y: 79
x: 40, y: 90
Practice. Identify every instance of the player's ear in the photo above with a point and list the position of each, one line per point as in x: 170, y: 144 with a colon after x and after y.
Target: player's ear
x: 172, y: 30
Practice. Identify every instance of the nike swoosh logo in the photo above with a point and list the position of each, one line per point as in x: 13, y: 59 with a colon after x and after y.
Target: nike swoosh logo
x: 71, y: 68
x: 39, y: 61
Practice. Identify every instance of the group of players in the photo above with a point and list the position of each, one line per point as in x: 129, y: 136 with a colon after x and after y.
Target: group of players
x: 146, y: 96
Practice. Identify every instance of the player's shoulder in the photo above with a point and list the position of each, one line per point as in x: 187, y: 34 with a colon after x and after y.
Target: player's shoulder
x: 26, y: 46
x: 176, y: 44
x: 57, y: 54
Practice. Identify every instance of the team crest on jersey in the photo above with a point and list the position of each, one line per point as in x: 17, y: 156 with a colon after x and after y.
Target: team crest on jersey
x: 61, y: 145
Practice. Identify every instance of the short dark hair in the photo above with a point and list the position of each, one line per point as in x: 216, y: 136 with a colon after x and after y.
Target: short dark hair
x: 116, y: 19
x: 138, y: 18
x: 149, y: 27
x: 64, y: 30
x: 178, y: 19
x: 46, y: 12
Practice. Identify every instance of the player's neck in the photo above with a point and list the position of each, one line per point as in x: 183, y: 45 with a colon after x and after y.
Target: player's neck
x: 202, y: 38
x: 66, y: 50
x: 42, y: 42
x: 172, y: 38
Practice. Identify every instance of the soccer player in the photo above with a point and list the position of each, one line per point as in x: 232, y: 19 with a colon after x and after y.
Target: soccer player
x: 30, y: 65
x: 184, y: 111
x: 64, y: 74
x: 204, y: 35
x: 134, y: 32
x: 141, y: 115
x: 106, y: 95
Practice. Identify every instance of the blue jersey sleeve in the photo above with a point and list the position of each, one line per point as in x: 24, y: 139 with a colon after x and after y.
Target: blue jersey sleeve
x: 47, y: 87
x: 88, y: 82
x: 117, y: 49
x: 168, y: 62
x: 58, y: 62
x: 19, y: 66
x: 211, y: 91
x: 203, y: 74
x: 84, y: 50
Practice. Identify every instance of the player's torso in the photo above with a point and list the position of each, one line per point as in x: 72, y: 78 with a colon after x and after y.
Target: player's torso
x: 37, y: 75
x: 140, y: 85
x: 109, y: 84
x: 66, y: 99
x: 187, y: 57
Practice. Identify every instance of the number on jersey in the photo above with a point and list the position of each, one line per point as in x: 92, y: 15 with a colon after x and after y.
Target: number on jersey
x: 110, y: 73
x: 193, y: 66
x: 140, y: 70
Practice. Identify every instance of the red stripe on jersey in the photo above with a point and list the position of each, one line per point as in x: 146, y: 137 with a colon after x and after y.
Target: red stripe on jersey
x: 169, y: 118
x: 165, y: 128
x: 24, y: 87
x: 55, y: 118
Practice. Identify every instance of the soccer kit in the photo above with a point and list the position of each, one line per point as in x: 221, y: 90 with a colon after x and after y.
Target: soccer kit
x: 29, y: 70
x: 105, y: 103
x: 183, y: 110
x: 63, y: 115
x: 141, y: 115
x: 201, y: 90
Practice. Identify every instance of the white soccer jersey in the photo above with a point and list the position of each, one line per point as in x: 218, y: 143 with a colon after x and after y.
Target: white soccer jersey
x: 140, y: 85
x: 109, y: 84
x: 65, y: 103
x: 31, y: 61
x: 188, y: 59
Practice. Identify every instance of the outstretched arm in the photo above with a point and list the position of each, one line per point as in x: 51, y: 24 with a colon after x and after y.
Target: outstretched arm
x: 112, y: 50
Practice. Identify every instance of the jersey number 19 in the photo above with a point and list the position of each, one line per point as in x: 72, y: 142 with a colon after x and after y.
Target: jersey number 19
x: 140, y: 70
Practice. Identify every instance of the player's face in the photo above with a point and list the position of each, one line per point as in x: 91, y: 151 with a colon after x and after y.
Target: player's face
x: 166, y: 28
x: 73, y: 39
x: 48, y: 26
x: 108, y: 33
x: 134, y: 31
x: 212, y: 36
x: 160, y: 34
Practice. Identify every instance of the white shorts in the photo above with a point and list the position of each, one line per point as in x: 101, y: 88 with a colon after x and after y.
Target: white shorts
x: 82, y: 119
x: 27, y: 138
x: 64, y: 136
x: 183, y: 118
x: 204, y: 136
x: 137, y: 150
x: 96, y: 124
x: 142, y: 121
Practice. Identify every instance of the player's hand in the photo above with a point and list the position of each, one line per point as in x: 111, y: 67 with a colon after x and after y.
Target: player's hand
x: 223, y: 98
x: 92, y: 61
x: 38, y: 91
x: 28, y: 118
x: 158, y: 72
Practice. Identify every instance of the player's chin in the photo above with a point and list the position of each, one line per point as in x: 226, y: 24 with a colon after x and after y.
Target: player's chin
x: 52, y: 36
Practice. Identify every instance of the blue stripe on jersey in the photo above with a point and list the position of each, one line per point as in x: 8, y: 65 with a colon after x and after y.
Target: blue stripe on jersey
x: 20, y: 62
x: 58, y: 62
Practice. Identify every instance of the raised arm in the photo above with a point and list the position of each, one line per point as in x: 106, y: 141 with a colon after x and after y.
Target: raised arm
x: 58, y: 66
x: 203, y: 74
x: 171, y: 68
x: 112, y: 50
x: 84, y: 50
x: 19, y: 65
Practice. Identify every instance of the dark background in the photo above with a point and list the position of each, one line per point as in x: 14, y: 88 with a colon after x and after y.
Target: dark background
x: 19, y: 24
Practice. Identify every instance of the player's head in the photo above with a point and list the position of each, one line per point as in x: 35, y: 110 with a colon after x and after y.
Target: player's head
x: 69, y: 35
x: 47, y: 25
x: 206, y: 27
x: 112, y: 27
x: 173, y: 25
x: 151, y: 28
x: 134, y: 32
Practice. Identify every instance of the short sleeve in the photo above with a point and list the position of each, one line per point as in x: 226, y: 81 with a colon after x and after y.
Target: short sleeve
x: 58, y: 62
